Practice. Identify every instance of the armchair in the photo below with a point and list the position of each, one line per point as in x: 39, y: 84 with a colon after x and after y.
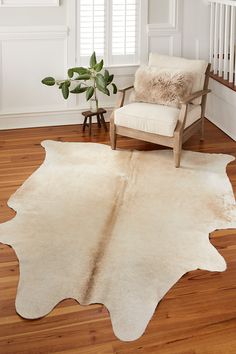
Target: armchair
x: 160, y: 124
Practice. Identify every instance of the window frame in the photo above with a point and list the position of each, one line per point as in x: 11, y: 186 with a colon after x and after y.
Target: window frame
x: 142, y: 46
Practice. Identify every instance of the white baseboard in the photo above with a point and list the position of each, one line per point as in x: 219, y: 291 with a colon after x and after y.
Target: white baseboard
x: 218, y: 125
x: 44, y: 119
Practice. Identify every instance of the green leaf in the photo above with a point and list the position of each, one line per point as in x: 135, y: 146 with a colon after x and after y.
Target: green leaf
x: 106, y: 75
x: 80, y: 70
x: 89, y: 93
x: 70, y: 73
x: 102, y: 89
x: 98, y: 67
x: 79, y: 89
x: 65, y: 89
x: 84, y: 77
x: 93, y: 60
x: 114, y: 89
x: 110, y: 79
x: 100, y: 81
x: 49, y: 81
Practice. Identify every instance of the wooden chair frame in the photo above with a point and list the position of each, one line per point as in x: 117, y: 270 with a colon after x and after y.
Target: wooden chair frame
x: 180, y: 134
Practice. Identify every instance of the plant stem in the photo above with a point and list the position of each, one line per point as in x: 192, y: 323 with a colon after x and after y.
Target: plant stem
x: 95, y: 94
x: 84, y: 84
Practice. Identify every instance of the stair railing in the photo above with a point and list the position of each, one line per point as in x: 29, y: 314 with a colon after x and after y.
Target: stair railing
x: 223, y: 39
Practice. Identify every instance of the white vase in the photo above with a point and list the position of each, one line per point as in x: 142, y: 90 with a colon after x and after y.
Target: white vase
x: 93, y: 105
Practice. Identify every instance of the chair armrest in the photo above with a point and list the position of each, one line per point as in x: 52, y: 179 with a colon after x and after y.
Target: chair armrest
x: 126, y: 89
x: 195, y: 95
x: 184, y: 109
x: 121, y: 99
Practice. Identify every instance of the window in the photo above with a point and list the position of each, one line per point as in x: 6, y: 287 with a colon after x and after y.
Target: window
x: 92, y: 27
x: 111, y: 28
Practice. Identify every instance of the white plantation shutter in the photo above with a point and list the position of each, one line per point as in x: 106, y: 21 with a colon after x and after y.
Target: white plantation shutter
x: 111, y: 29
x: 92, y: 28
x: 125, y: 20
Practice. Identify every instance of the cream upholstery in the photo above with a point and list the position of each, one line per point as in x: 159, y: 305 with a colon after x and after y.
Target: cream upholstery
x: 197, y: 67
x: 153, y: 118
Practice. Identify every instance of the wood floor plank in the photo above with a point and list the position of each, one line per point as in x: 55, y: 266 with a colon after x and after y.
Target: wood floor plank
x: 197, y: 316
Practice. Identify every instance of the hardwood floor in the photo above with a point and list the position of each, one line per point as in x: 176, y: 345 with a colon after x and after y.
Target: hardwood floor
x: 197, y: 316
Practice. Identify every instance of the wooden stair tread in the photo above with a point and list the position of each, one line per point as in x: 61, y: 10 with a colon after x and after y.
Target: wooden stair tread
x: 222, y: 81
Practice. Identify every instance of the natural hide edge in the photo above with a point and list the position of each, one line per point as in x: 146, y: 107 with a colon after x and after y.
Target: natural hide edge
x: 118, y: 228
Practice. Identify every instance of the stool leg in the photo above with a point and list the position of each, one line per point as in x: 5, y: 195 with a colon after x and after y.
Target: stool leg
x: 98, y: 120
x: 90, y: 125
x: 103, y: 122
x: 85, y: 123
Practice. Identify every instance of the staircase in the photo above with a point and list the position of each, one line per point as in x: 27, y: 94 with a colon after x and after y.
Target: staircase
x: 223, y: 42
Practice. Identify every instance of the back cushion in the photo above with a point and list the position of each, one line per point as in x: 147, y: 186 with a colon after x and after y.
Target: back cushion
x: 161, y: 87
x: 196, y: 67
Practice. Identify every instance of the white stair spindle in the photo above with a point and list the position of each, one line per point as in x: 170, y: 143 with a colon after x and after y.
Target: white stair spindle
x: 212, y: 27
x: 221, y: 38
x: 226, y: 42
x: 235, y: 66
x: 232, y: 45
x: 216, y: 39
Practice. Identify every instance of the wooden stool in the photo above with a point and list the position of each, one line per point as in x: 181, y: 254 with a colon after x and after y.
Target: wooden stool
x: 100, y: 119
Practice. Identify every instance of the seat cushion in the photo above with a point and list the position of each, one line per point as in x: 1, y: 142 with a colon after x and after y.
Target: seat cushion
x: 197, y: 67
x: 153, y: 118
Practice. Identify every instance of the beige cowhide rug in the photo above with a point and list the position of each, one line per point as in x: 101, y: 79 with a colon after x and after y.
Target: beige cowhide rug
x: 115, y: 227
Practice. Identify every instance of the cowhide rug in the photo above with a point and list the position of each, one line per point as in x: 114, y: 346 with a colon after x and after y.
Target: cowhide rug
x: 115, y: 227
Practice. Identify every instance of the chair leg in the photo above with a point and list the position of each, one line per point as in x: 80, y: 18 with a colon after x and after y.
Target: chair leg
x: 177, y: 157
x: 112, y: 133
x: 203, y: 129
x: 177, y: 151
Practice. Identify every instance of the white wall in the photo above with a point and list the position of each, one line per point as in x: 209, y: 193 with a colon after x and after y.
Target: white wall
x: 33, y: 16
x: 196, y: 29
x: 159, y: 11
x: 221, y: 108
x: 165, y: 26
x: 33, y: 43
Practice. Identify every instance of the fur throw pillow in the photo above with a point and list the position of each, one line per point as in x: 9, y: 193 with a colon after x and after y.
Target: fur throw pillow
x: 161, y: 86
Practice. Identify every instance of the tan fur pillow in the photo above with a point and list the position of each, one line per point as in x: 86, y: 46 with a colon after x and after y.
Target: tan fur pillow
x: 161, y: 86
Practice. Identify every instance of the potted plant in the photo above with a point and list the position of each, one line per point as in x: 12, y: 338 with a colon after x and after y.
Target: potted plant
x: 86, y: 80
